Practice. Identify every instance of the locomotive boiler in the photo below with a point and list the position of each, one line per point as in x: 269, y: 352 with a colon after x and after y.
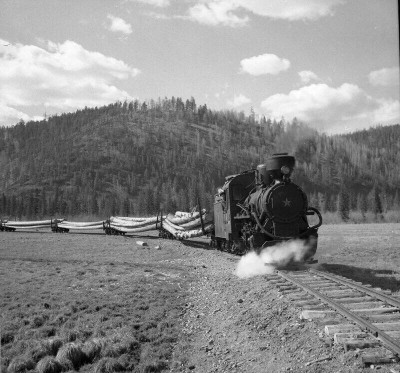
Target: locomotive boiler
x: 262, y: 207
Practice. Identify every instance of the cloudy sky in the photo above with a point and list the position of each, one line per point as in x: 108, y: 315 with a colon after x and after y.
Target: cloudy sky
x: 333, y: 64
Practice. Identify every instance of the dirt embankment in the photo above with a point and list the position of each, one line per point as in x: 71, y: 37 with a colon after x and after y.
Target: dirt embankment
x: 245, y: 325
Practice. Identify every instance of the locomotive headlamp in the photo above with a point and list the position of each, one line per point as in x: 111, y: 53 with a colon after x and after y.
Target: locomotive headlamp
x: 285, y: 170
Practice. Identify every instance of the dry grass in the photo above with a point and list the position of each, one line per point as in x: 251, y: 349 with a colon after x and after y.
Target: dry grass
x: 356, y: 217
x: 52, y: 345
x: 108, y: 365
x: 369, y: 253
x: 82, y: 299
x: 93, y: 348
x: 20, y: 364
x: 49, y: 365
x: 121, y: 306
x: 71, y: 356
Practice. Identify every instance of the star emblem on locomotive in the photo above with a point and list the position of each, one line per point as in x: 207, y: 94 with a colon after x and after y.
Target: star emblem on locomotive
x: 286, y: 202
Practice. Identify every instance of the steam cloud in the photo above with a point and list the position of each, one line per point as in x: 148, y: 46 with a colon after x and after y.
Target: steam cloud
x: 279, y: 255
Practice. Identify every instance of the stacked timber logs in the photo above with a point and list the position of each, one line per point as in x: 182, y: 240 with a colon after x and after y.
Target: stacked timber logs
x: 181, y: 225
x: 131, y: 225
x: 187, y: 225
x: 81, y: 225
x: 14, y: 225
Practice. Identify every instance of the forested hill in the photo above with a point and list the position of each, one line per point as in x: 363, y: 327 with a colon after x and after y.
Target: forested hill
x: 135, y: 158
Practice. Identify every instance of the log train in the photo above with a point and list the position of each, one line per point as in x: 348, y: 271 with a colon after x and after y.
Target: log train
x: 262, y: 207
x: 253, y: 210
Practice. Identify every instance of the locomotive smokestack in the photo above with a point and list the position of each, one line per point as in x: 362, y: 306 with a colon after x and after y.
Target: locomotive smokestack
x: 279, y: 165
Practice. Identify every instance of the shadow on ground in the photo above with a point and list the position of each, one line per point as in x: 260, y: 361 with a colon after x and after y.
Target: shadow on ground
x: 196, y: 244
x: 382, y: 278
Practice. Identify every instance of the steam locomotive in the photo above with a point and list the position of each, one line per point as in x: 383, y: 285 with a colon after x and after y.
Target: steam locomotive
x: 262, y: 207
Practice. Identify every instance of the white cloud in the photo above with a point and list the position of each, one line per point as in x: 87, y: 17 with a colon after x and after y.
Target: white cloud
x: 290, y: 9
x: 384, y: 77
x: 387, y: 112
x: 156, y: 15
x: 238, y: 100
x: 11, y: 115
x: 332, y: 109
x: 307, y: 76
x: 119, y: 25
x: 158, y: 3
x: 264, y: 64
x: 216, y: 13
x: 64, y: 76
x: 222, y: 12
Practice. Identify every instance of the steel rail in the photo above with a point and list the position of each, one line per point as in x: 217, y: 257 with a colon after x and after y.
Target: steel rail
x: 373, y: 293
x: 389, y: 342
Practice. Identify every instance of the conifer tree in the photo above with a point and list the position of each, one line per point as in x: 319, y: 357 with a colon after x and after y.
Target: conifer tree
x: 377, y: 203
x: 344, y: 204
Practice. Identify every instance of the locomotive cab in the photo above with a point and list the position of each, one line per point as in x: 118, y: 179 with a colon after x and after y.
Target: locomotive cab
x: 228, y: 215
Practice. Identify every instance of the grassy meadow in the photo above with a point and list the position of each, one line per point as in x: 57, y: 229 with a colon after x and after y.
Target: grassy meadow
x: 369, y: 253
x: 97, y: 303
x: 88, y: 302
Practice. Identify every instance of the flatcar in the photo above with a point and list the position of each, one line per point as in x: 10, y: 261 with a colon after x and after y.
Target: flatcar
x: 261, y: 207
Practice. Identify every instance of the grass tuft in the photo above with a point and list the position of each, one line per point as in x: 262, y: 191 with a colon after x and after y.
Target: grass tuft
x: 21, y: 365
x: 49, y: 365
x: 108, y: 365
x: 155, y: 367
x: 126, y: 361
x: 69, y: 335
x: 7, y: 337
x: 93, y: 348
x: 38, y: 321
x: 126, y: 345
x: 53, y: 345
x: 39, y: 351
x: 71, y: 355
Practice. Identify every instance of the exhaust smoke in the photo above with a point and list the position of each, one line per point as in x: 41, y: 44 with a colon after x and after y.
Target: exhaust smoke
x: 270, y: 258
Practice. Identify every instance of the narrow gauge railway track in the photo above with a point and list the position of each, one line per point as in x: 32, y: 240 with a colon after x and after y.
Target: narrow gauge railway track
x: 376, y: 314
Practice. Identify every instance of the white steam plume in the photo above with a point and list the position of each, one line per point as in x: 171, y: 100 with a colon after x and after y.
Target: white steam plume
x: 270, y: 258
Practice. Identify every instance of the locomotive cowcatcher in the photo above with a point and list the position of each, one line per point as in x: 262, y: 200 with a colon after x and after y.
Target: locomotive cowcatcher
x: 262, y: 207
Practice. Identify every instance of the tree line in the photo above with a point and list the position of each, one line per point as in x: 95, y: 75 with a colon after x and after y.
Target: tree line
x: 136, y: 158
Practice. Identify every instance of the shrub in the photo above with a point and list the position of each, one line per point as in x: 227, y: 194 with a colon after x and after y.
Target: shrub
x: 71, y: 355
x: 49, y: 365
x: 392, y: 216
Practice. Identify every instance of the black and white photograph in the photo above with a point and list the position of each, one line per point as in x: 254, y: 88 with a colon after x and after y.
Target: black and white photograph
x: 206, y: 186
